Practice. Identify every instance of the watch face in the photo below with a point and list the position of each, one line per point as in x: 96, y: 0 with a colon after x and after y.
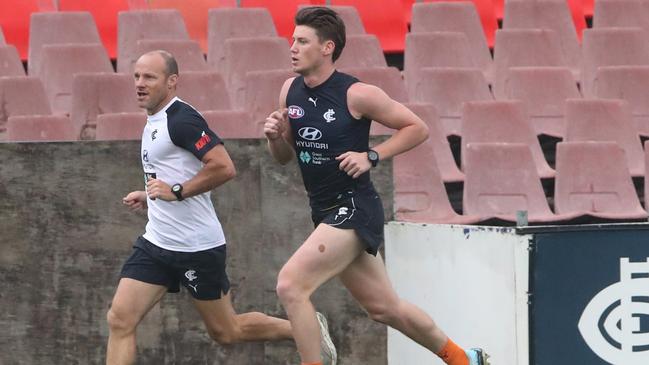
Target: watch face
x: 372, y: 155
x: 175, y: 188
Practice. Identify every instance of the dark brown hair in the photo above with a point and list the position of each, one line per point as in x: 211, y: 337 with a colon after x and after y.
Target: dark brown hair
x: 327, y: 24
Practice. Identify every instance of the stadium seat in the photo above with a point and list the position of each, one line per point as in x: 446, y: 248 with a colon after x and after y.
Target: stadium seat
x: 547, y: 14
x: 120, y: 126
x: 524, y: 47
x: 59, y: 28
x: 188, y: 53
x: 621, y: 13
x: 544, y: 91
x: 486, y: 11
x: 20, y: 95
x: 40, y: 128
x: 14, y: 20
x: 105, y: 14
x: 387, y: 78
x: 283, y: 12
x: 262, y: 93
x: 204, y: 90
x: 252, y: 54
x: 235, y: 23
x: 501, y: 179
x: 150, y: 24
x: 99, y: 93
x: 10, y: 64
x: 419, y: 192
x: 362, y: 50
x: 58, y: 65
x: 438, y: 49
x: 455, y: 17
x: 232, y: 124
x: 448, y: 89
x: 352, y: 18
x: 501, y: 122
x: 611, y: 47
x: 443, y: 157
x: 195, y: 14
x: 630, y: 83
x: 593, y: 180
x: 605, y: 120
x: 384, y: 21
x: 2, y: 38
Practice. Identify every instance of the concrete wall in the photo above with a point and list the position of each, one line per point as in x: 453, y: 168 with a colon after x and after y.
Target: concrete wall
x: 64, y: 235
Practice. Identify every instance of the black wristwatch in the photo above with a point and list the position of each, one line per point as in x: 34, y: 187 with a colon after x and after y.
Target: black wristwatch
x: 373, y: 156
x: 177, y: 189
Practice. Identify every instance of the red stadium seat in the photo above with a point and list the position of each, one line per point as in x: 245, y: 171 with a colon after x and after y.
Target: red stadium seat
x: 14, y: 21
x: 487, y: 14
x: 621, y: 13
x: 120, y: 126
x: 283, y: 12
x: 362, y: 50
x: 188, y: 53
x: 2, y: 38
x: 195, y: 13
x: 20, y: 95
x: 204, y: 90
x: 105, y: 14
x: 385, y: 21
x: 10, y: 64
x: 41, y: 128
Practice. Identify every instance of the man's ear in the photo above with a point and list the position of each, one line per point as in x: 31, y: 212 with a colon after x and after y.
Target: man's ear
x: 172, y: 80
x: 329, y: 47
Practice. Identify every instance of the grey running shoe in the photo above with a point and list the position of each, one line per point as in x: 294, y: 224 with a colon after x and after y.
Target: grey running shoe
x: 477, y: 357
x: 327, y: 348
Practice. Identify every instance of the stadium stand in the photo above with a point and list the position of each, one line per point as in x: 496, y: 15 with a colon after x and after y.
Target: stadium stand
x: 94, y: 94
x: 387, y: 78
x: 2, y: 38
x: 455, y: 17
x: 548, y: 14
x: 195, y: 15
x: 58, y: 65
x: 62, y: 27
x: 283, y: 12
x: 605, y: 120
x: 120, y: 126
x: 362, y: 50
x: 40, y: 128
x: 204, y: 90
x: 233, y: 124
x: 14, y: 19
x: 485, y: 9
x: 352, y: 18
x: 501, y: 179
x: 524, y: 47
x: 438, y: 49
x: 20, y: 95
x: 251, y: 54
x: 593, y: 181
x: 611, y: 47
x: 447, y: 89
x: 501, y: 121
x: 10, y: 64
x: 150, y: 24
x: 188, y: 53
x: 105, y: 16
x: 544, y: 91
x: 262, y: 93
x: 225, y: 24
x: 621, y: 13
x: 630, y: 83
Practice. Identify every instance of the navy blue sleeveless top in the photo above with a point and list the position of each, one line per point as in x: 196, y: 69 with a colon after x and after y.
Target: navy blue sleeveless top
x: 323, y: 128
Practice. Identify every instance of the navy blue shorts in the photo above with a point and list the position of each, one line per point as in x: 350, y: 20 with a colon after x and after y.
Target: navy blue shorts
x: 361, y: 211
x: 202, y: 272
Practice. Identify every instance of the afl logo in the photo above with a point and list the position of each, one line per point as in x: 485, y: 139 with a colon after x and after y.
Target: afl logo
x: 310, y: 133
x: 295, y: 112
x: 611, y: 322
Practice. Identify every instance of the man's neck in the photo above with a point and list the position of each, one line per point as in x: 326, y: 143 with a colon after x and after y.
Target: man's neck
x: 319, y: 75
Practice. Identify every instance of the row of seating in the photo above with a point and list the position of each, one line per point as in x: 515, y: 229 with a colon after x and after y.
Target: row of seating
x: 389, y: 21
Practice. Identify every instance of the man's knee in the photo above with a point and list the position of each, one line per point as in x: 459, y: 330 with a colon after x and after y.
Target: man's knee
x: 120, y: 322
x: 225, y: 337
x: 383, y: 312
x: 289, y: 289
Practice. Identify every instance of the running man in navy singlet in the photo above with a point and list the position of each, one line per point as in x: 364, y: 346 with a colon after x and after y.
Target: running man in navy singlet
x: 323, y: 121
x: 183, y: 243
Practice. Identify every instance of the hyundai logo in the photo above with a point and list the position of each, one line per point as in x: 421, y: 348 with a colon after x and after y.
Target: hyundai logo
x: 310, y: 133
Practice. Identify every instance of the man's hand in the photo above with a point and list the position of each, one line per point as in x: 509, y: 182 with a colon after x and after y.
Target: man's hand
x: 354, y: 164
x: 135, y: 200
x: 159, y: 189
x: 276, y: 124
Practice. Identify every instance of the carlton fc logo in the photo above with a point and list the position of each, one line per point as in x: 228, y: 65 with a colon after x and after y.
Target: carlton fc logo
x: 310, y: 133
x: 614, y: 323
x: 295, y: 112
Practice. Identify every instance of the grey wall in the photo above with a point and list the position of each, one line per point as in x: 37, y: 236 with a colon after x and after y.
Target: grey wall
x: 64, y: 235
